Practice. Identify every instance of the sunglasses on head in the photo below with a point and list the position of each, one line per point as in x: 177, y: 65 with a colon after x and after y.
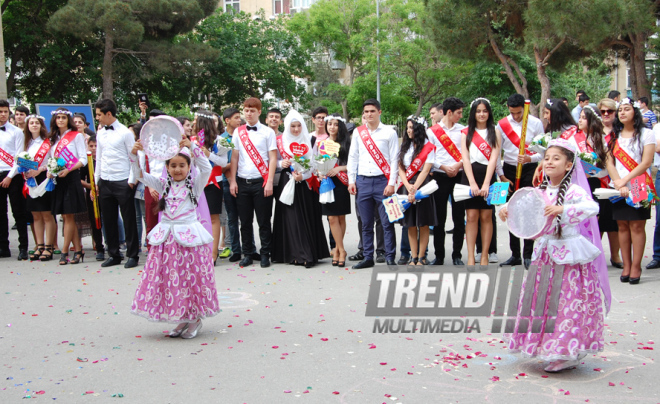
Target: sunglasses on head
x: 607, y: 111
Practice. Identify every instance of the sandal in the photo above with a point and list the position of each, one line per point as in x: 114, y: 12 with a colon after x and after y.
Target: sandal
x: 47, y: 253
x: 64, y: 258
x: 413, y: 261
x: 78, y: 256
x: 37, y: 252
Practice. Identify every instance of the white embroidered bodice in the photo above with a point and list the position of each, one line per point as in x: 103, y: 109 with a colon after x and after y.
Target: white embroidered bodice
x: 572, y: 247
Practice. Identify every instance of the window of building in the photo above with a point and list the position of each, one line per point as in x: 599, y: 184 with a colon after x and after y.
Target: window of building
x: 281, y: 7
x: 232, y: 6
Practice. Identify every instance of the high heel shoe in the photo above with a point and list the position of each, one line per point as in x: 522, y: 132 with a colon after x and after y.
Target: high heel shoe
x: 624, y: 279
x: 615, y: 264
x: 47, y: 253
x: 192, y: 330
x: 178, y: 330
x: 64, y: 258
x: 342, y: 262
x: 78, y: 256
x: 37, y: 252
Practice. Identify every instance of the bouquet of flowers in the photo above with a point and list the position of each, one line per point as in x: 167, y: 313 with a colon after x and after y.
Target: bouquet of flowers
x: 54, y: 166
x: 25, y: 164
x: 589, y: 162
x: 223, y: 145
x: 323, y: 164
x: 300, y: 164
x: 540, y: 143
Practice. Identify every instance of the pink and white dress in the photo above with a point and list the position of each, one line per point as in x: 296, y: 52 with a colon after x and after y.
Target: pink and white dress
x: 178, y: 280
x: 579, y: 320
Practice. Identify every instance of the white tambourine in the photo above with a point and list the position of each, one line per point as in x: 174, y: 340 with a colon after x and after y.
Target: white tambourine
x: 526, y: 218
x: 160, y: 137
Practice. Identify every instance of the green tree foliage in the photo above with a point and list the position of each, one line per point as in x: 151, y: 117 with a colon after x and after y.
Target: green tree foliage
x: 142, y: 30
x: 257, y: 56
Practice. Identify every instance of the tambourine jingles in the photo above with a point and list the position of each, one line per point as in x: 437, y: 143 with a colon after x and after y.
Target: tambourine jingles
x: 160, y: 137
x: 526, y: 219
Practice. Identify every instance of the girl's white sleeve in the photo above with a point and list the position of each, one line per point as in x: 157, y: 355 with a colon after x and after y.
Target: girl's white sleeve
x: 578, y: 206
x: 204, y: 167
x: 144, y: 177
x: 218, y: 160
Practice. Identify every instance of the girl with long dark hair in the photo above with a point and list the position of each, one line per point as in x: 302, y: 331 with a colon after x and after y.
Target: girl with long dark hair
x: 480, y: 149
x: 416, y: 158
x: 631, y: 150
x: 213, y: 191
x: 335, y: 127
x: 558, y: 118
x: 68, y: 198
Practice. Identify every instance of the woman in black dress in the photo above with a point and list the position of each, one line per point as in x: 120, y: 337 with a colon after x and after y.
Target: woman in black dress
x: 480, y: 148
x: 37, y: 144
x: 335, y: 127
x: 416, y: 158
x: 298, y: 234
x: 213, y: 191
x: 68, y: 197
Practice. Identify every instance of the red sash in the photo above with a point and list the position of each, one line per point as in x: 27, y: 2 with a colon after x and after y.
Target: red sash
x: 446, y: 142
x: 481, y: 143
x: 343, y: 177
x: 604, y: 182
x: 253, y: 153
x: 631, y: 164
x: 374, y: 151
x: 6, y: 157
x: 65, y: 141
x: 581, y: 140
x: 419, y: 161
x: 41, y: 153
x: 280, y: 148
x: 512, y: 135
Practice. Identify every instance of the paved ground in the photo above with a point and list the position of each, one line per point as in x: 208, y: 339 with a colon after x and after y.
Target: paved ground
x: 289, y: 334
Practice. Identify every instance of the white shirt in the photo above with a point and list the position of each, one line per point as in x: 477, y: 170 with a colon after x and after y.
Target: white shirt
x: 33, y: 148
x: 634, y: 150
x: 263, y: 140
x: 113, y: 150
x: 534, y: 128
x: 442, y: 156
x: 77, y: 147
x: 11, y: 141
x: 218, y: 161
x: 156, y: 166
x: 407, y: 157
x: 476, y: 156
x: 360, y: 161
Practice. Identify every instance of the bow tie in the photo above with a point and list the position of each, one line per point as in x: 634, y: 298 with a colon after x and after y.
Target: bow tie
x: 108, y: 127
x: 5, y: 129
x: 254, y: 128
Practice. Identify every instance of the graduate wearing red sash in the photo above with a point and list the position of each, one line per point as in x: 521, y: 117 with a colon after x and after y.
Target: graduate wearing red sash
x: 372, y: 175
x: 416, y: 159
x: 631, y: 152
x: 253, y: 165
x: 68, y: 197
x: 480, y: 148
x: 37, y: 145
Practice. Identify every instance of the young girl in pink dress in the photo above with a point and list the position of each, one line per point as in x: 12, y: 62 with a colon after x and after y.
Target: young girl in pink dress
x: 178, y: 281
x: 573, y: 242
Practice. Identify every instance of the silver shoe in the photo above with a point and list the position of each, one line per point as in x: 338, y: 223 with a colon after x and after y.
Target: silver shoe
x: 192, y: 330
x: 492, y: 258
x: 178, y: 330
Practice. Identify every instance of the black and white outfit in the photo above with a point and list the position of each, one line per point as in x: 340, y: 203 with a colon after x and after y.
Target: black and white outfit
x: 44, y: 202
x: 621, y: 210
x: 69, y: 196
x: 212, y: 191
x: 113, y: 175
x: 11, y: 142
x: 342, y: 204
x: 479, y: 164
x: 250, y: 199
x: 422, y: 212
x: 298, y: 233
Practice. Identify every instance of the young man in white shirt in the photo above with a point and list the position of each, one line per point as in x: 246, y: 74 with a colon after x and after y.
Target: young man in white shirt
x: 11, y: 185
x: 372, y: 174
x: 583, y: 100
x: 253, y: 164
x: 116, y: 183
x: 447, y: 172
x: 511, y: 127
x: 274, y: 120
x: 20, y: 113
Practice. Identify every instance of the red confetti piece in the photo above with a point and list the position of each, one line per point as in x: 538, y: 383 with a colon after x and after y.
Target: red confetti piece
x: 495, y: 378
x: 335, y: 392
x: 324, y: 339
x: 612, y: 384
x: 383, y: 363
x: 139, y: 359
x: 287, y: 391
x: 522, y: 374
x: 140, y: 336
x: 597, y: 369
x: 545, y: 376
x: 275, y: 346
x: 40, y: 392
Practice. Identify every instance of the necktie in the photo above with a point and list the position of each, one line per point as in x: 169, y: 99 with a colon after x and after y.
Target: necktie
x: 254, y: 128
x: 109, y: 127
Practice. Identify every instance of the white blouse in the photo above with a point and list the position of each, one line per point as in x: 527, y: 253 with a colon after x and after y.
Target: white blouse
x: 77, y: 147
x: 33, y: 148
x: 407, y: 157
x: 634, y: 150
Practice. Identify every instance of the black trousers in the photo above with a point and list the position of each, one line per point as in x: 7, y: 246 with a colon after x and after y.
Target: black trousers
x: 15, y: 194
x: 442, y: 195
x: 493, y: 240
x: 525, y: 181
x: 115, y: 196
x: 251, y: 200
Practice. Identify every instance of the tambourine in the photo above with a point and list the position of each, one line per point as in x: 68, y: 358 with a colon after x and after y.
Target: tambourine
x: 160, y: 137
x: 526, y: 218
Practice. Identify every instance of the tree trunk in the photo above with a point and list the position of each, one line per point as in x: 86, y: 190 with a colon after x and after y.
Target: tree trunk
x: 108, y: 89
x: 638, y: 60
x: 542, y: 75
x: 344, y: 109
x: 420, y: 104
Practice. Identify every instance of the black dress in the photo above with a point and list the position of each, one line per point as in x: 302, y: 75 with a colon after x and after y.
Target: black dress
x: 422, y: 212
x: 43, y: 203
x: 214, y: 198
x: 479, y: 172
x: 298, y: 233
x: 342, y: 204
x: 68, y: 196
x: 606, y: 223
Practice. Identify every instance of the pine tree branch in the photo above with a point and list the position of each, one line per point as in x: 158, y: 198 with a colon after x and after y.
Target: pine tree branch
x: 544, y: 62
x: 129, y: 52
